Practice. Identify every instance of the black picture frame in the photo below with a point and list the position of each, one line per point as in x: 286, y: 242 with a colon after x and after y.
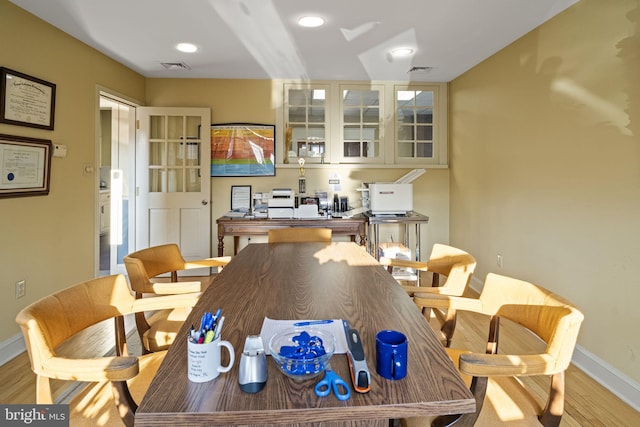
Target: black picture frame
x: 25, y: 166
x: 241, y: 198
x: 243, y: 149
x: 26, y: 100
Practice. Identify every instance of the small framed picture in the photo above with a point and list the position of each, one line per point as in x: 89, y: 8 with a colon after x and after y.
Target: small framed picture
x: 26, y: 100
x: 241, y: 198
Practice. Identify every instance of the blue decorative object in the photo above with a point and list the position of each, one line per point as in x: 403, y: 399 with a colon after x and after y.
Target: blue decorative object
x: 304, y: 354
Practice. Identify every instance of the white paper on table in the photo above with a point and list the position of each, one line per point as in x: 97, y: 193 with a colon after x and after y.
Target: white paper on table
x: 270, y: 327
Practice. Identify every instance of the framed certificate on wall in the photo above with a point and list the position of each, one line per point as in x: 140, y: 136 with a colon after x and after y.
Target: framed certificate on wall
x: 25, y: 166
x: 25, y: 100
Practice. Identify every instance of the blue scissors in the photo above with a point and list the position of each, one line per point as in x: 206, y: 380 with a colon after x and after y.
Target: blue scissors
x: 332, y: 381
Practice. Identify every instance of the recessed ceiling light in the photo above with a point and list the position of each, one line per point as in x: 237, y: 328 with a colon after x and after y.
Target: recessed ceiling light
x: 311, y: 21
x: 187, y: 47
x: 402, y: 51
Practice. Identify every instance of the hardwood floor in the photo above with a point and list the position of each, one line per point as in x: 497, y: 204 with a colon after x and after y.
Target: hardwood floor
x: 587, y: 403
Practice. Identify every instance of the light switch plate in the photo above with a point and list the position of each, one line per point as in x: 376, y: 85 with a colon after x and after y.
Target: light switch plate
x: 59, y: 150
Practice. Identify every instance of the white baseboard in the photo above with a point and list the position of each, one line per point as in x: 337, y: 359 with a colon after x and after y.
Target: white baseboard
x: 611, y: 378
x: 11, y: 348
x: 625, y: 388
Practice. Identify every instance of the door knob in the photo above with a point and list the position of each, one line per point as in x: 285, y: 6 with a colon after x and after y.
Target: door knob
x: 204, y: 202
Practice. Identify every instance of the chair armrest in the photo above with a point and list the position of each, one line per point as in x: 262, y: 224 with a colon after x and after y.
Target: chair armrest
x: 209, y: 262
x: 426, y: 291
x: 486, y: 365
x: 447, y: 301
x: 394, y: 262
x: 170, y: 288
x: 165, y: 302
x: 96, y: 369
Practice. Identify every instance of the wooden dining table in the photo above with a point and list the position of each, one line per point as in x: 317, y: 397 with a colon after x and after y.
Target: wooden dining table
x: 306, y: 281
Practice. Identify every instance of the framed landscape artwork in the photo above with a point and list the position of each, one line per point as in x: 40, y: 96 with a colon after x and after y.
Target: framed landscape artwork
x: 243, y: 149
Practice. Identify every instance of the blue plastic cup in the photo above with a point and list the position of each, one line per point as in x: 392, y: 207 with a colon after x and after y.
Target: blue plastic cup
x: 391, y: 352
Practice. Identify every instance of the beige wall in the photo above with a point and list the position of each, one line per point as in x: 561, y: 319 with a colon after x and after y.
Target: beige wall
x: 255, y: 101
x: 545, y: 154
x: 49, y: 240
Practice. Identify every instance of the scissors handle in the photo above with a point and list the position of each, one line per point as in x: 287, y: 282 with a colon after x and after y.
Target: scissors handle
x: 332, y: 381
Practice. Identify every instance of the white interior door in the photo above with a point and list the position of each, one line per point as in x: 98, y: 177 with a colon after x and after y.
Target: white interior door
x: 173, y: 156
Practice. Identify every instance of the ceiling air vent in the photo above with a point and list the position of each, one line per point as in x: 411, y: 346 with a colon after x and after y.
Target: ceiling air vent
x: 175, y: 66
x: 420, y: 70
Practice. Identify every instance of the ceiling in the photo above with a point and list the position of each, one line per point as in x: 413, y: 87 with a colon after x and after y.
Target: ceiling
x: 260, y: 39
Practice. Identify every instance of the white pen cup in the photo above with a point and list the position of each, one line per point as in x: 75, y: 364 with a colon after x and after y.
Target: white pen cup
x: 204, y: 360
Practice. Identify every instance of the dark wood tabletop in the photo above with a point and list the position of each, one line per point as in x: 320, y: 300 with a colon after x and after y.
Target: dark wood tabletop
x: 306, y: 281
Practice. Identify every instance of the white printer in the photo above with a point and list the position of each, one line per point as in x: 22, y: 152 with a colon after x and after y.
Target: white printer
x: 390, y: 198
x: 281, y: 203
x: 393, y: 198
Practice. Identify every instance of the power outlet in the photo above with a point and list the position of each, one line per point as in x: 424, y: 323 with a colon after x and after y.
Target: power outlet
x: 499, y: 260
x: 21, y: 288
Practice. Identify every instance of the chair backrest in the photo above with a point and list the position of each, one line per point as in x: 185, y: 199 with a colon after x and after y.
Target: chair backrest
x: 551, y: 317
x: 299, y: 235
x: 51, y: 320
x: 456, y: 264
x: 147, y: 263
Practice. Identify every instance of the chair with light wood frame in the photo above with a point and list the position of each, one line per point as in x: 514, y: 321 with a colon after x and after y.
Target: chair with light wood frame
x: 456, y: 265
x: 158, y: 330
x: 300, y: 235
x: 554, y: 320
x: 52, y: 320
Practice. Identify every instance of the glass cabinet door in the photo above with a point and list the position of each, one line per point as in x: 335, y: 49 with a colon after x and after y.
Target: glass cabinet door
x: 414, y: 127
x: 361, y: 111
x: 306, y: 123
x: 174, y: 147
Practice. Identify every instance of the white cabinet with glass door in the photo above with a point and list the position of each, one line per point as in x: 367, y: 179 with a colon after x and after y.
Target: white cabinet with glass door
x: 420, y: 125
x: 373, y: 123
x: 306, y: 123
x: 361, y: 112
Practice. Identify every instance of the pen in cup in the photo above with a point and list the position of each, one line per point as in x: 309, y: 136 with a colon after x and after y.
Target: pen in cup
x: 208, y: 337
x: 210, y: 326
x: 218, y: 329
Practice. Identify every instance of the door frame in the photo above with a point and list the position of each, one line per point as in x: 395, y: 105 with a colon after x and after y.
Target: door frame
x: 133, y: 103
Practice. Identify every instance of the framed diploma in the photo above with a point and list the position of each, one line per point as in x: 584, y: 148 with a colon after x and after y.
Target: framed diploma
x: 25, y: 166
x: 26, y: 100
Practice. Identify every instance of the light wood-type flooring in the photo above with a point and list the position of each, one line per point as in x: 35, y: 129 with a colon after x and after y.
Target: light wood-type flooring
x: 587, y: 402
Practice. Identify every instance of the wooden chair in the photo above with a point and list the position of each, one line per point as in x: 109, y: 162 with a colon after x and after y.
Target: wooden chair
x: 158, y: 330
x: 456, y: 265
x: 299, y: 235
x: 555, y: 321
x: 52, y: 320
